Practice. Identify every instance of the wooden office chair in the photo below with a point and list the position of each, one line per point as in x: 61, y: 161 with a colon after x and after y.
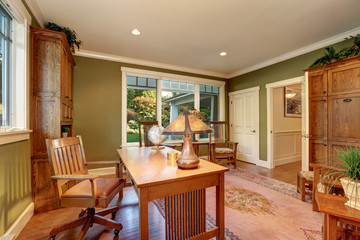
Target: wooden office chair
x: 222, y: 150
x: 143, y: 137
x: 76, y: 188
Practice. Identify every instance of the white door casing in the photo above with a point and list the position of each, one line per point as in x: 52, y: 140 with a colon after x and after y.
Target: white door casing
x: 270, y: 137
x: 244, y: 123
x: 305, y: 123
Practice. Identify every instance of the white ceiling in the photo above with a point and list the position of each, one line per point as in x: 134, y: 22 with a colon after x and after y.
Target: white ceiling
x: 191, y: 34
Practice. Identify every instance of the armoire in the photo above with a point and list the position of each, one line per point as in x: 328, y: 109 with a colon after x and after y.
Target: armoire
x: 51, y: 106
x: 334, y: 109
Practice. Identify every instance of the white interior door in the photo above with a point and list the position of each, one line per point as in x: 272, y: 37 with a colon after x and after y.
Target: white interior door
x: 244, y: 123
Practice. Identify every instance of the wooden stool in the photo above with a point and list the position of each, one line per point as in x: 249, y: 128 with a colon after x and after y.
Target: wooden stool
x: 305, y: 183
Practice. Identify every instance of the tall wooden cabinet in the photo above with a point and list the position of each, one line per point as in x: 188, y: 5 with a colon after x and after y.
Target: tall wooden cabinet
x: 51, y: 106
x: 334, y: 108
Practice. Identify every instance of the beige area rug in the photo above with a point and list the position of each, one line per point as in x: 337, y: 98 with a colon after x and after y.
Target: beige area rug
x: 258, y: 207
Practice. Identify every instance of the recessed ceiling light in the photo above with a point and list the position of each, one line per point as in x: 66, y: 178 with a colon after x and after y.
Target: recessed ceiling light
x: 223, y: 54
x: 136, y: 32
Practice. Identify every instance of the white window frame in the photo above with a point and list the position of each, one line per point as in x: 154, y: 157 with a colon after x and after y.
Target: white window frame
x: 165, y: 76
x: 20, y: 74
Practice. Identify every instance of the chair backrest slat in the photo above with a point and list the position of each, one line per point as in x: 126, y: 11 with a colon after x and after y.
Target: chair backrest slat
x: 66, y: 156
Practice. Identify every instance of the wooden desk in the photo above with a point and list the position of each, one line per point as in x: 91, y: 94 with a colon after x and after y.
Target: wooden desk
x: 338, y: 219
x: 156, y: 177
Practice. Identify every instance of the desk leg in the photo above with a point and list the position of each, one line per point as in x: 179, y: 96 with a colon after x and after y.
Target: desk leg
x: 120, y: 174
x: 331, y: 227
x: 315, y: 183
x: 220, y: 207
x: 143, y: 214
x: 325, y: 226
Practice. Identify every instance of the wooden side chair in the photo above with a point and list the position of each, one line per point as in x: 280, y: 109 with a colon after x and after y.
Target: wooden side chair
x: 305, y: 181
x: 222, y: 150
x: 144, y: 128
x: 76, y: 188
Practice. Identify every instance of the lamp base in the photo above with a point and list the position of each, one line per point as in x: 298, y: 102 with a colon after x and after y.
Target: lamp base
x: 157, y: 148
x: 188, y: 159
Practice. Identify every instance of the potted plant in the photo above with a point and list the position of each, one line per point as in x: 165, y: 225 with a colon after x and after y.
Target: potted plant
x: 65, y: 131
x: 348, y: 172
x: 71, y: 35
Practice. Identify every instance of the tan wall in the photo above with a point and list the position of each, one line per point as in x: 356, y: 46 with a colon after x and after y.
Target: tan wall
x: 287, y: 130
x: 282, y: 123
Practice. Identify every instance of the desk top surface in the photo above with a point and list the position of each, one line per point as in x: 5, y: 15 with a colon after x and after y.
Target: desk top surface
x: 151, y: 167
x: 335, y: 206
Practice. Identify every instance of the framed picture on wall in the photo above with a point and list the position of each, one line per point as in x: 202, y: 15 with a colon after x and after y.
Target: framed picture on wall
x: 292, y: 102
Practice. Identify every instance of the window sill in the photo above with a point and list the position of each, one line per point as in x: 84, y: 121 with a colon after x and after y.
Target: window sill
x: 14, y: 136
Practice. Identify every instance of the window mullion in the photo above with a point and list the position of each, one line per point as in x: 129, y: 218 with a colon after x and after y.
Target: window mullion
x: 158, y: 101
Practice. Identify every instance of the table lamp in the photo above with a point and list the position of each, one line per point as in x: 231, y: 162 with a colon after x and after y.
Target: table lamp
x: 187, y: 124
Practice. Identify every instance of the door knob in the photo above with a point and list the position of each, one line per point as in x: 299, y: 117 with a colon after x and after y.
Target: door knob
x: 253, y: 131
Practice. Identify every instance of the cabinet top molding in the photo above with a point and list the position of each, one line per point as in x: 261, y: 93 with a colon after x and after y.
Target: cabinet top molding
x: 346, y: 61
x: 53, y: 34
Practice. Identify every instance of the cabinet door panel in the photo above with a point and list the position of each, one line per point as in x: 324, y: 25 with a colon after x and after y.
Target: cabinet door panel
x: 343, y: 80
x: 318, y: 118
x: 344, y: 118
x: 318, y: 151
x: 317, y: 84
x: 333, y: 158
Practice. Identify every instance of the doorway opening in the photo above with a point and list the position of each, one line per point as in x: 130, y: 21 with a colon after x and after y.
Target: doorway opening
x: 286, y: 124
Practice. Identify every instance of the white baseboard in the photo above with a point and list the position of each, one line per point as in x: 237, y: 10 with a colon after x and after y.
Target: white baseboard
x: 287, y: 160
x: 21, y: 221
x: 102, y: 171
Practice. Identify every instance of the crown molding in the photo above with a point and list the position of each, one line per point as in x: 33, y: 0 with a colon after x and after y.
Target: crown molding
x: 298, y: 52
x: 35, y: 9
x: 115, y: 58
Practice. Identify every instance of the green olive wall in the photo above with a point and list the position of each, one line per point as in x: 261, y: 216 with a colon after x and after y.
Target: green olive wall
x: 277, y: 72
x: 15, y: 176
x: 15, y: 182
x: 97, y: 105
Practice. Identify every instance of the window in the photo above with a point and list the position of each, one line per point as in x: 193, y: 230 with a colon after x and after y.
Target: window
x: 5, y: 62
x: 14, y: 88
x: 141, y: 104
x: 209, y: 104
x: 156, y: 96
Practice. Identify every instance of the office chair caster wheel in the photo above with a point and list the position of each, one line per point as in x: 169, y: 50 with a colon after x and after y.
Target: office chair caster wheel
x: 52, y: 237
x: 116, y: 232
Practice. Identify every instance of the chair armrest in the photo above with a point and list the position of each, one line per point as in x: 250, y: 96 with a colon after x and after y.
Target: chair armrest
x: 102, y: 162
x: 74, y: 177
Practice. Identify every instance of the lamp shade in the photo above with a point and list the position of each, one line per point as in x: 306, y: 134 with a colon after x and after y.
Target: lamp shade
x: 186, y: 124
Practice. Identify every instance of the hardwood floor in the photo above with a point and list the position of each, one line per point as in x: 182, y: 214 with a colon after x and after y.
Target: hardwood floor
x: 285, y: 173
x: 39, y: 226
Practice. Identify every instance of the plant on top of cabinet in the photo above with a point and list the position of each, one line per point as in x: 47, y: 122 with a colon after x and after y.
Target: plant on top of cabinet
x: 71, y: 35
x: 330, y: 55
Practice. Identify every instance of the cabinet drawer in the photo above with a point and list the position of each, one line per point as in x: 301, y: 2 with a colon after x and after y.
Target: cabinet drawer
x: 344, y: 80
x: 344, y: 118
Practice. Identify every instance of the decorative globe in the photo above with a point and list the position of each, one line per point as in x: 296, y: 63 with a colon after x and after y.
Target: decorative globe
x: 155, y: 136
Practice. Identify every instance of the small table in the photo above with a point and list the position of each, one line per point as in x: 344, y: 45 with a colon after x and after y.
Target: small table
x: 334, y: 212
x: 155, y: 177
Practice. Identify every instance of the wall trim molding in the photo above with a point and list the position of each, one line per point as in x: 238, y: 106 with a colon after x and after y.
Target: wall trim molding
x: 21, y: 221
x: 312, y: 47
x: 286, y: 160
x: 116, y: 58
x: 35, y: 9
x: 257, y: 88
